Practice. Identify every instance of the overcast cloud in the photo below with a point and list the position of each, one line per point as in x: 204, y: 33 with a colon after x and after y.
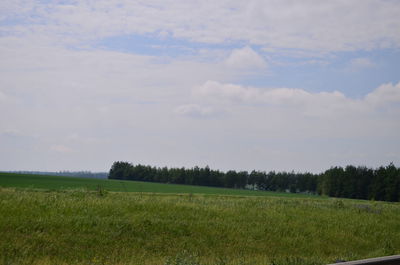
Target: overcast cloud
x: 268, y: 85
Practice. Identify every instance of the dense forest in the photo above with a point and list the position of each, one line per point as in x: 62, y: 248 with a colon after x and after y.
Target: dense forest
x: 381, y: 184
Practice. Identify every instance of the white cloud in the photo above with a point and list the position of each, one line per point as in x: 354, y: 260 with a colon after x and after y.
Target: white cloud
x: 217, y: 91
x: 197, y: 111
x: 384, y: 95
x: 309, y: 25
x: 321, y: 104
x: 82, y: 75
x: 245, y: 58
x: 275, y: 96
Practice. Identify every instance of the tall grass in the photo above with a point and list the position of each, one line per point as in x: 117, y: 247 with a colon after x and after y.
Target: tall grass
x: 99, y: 227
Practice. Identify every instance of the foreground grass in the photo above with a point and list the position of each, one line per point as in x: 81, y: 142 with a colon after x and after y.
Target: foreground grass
x: 63, y: 183
x: 82, y: 227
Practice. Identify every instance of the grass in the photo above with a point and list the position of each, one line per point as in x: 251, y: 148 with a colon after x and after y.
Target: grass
x: 92, y: 227
x: 62, y: 220
x: 62, y: 183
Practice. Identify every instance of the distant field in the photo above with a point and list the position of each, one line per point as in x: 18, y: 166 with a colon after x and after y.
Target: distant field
x: 116, y: 228
x: 63, y: 183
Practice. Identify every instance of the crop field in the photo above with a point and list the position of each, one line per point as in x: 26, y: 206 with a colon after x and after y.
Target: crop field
x: 46, y: 182
x: 53, y: 225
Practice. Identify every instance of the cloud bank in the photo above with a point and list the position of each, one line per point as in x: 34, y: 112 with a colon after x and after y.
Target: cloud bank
x: 327, y: 26
x: 383, y: 96
x: 269, y: 85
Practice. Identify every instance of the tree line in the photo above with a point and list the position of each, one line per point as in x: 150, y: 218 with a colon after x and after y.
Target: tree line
x: 360, y: 182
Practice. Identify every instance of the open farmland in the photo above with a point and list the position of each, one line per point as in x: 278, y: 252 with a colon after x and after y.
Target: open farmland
x: 46, y: 182
x: 95, y: 227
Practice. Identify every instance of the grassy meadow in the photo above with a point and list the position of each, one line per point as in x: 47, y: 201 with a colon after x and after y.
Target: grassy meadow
x: 45, y: 182
x: 89, y: 226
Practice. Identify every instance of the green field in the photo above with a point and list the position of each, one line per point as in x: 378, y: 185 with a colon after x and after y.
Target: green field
x: 62, y: 183
x: 52, y: 225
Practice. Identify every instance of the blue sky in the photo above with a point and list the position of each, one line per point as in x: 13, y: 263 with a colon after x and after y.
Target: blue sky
x: 268, y: 85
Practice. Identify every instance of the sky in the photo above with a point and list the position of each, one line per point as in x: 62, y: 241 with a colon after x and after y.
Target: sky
x: 265, y: 85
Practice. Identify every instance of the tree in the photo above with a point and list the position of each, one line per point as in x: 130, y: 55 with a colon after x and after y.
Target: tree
x: 120, y: 170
